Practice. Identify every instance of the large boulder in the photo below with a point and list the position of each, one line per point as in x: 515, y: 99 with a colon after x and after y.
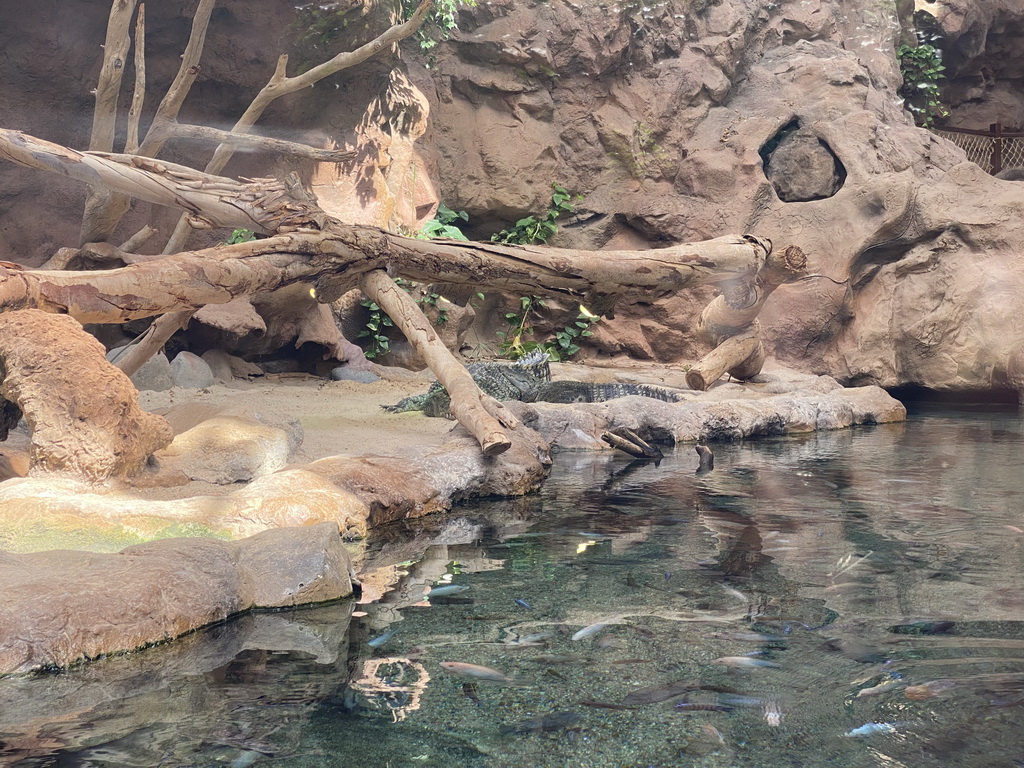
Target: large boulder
x: 67, y: 606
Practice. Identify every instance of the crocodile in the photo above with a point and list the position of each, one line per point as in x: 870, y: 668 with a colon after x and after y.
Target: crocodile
x: 501, y: 379
x: 529, y: 380
x: 589, y: 392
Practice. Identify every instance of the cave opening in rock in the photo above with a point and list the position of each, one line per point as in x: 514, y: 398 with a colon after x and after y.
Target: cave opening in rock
x: 800, y: 165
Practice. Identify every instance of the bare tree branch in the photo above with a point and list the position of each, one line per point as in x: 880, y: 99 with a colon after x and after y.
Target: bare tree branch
x: 115, y: 53
x: 103, y: 213
x: 469, y: 405
x: 252, y: 141
x: 131, y: 143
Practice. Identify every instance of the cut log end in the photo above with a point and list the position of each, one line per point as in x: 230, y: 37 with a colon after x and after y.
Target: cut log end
x: 496, y: 447
x: 695, y: 380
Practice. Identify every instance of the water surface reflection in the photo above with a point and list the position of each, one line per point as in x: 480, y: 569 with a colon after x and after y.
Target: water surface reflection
x: 850, y: 598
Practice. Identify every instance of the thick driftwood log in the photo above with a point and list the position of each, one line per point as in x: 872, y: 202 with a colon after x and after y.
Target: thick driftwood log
x: 730, y: 322
x: 262, y: 205
x: 483, y: 416
x: 83, y: 413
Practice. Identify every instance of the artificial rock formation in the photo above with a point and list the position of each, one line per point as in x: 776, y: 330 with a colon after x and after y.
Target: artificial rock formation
x: 66, y: 606
x: 670, y: 119
x: 82, y: 412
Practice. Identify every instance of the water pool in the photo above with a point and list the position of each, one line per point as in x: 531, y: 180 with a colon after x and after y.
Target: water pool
x: 849, y: 598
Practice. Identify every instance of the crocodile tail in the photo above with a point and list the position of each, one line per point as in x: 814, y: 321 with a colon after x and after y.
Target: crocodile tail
x: 659, y: 393
x: 537, y: 364
x: 413, y: 403
x: 602, y: 392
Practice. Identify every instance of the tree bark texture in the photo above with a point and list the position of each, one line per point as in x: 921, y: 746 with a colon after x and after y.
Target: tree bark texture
x: 83, y: 413
x: 729, y: 322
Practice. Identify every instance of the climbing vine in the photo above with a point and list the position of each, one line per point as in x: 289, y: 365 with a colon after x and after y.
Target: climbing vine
x: 537, y: 229
x: 441, y: 22
x: 922, y: 68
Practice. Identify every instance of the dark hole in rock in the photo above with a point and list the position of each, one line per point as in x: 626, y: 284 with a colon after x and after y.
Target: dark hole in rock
x: 801, y: 166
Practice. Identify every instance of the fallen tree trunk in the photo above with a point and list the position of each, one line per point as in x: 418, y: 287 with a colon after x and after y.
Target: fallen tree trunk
x: 335, y: 257
x: 482, y: 415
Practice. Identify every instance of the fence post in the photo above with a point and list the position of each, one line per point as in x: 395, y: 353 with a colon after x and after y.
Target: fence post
x: 997, y: 147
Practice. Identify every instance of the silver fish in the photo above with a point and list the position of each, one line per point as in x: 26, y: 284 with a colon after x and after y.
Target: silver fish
x: 593, y: 629
x: 738, y: 662
x: 870, y: 729
x: 379, y: 640
x: 462, y: 669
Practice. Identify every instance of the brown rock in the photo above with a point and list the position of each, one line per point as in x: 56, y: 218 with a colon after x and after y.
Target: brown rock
x: 67, y: 606
x: 82, y: 412
x: 228, y: 449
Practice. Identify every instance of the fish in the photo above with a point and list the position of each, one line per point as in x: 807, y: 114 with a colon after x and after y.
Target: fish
x: 739, y: 700
x: 880, y: 688
x: 586, y: 632
x: 449, y: 589
x: 739, y: 662
x: 450, y: 600
x: 522, y: 603
x: 604, y: 704
x: 478, y: 672
x: 379, y: 640
x: 469, y: 691
x: 656, y: 693
x: 537, y: 637
x: 556, y: 721
x: 870, y: 729
x: 245, y: 759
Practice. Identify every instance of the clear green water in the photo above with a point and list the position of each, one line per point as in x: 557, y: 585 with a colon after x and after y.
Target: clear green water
x: 888, y: 558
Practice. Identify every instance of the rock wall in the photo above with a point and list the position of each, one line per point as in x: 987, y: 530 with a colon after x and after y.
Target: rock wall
x: 682, y: 120
x: 677, y: 120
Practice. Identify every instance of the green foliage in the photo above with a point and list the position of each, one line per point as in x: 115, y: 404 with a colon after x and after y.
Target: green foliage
x: 376, y: 330
x: 241, y: 236
x: 515, y: 341
x: 565, y: 345
x: 444, y: 224
x: 537, y: 229
x: 922, y: 68
x: 440, y: 22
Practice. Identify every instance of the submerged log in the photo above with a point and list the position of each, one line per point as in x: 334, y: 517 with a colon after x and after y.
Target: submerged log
x: 628, y: 441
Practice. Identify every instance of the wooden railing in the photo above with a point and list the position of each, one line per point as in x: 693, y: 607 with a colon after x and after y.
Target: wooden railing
x: 994, y: 150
